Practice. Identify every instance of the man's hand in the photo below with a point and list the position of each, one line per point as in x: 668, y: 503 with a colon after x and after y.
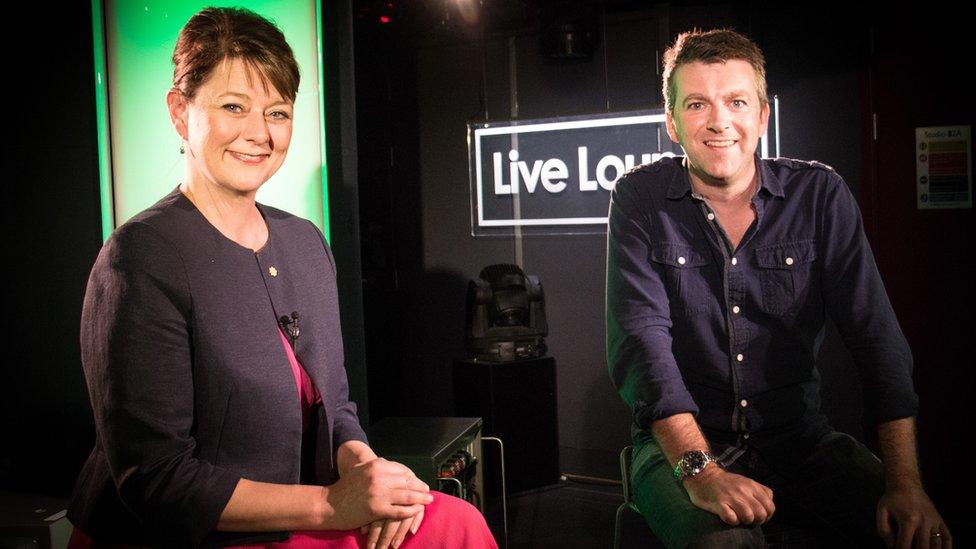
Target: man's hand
x: 907, y: 518
x: 734, y: 498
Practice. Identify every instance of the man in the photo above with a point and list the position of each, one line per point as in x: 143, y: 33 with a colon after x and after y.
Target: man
x: 721, y: 269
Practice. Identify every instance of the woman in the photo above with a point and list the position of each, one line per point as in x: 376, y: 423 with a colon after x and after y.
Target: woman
x: 202, y: 316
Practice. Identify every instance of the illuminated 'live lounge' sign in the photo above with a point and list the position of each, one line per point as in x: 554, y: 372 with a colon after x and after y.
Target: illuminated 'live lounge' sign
x: 555, y: 175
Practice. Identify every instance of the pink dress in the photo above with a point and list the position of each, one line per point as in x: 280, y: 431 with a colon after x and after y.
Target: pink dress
x: 449, y: 522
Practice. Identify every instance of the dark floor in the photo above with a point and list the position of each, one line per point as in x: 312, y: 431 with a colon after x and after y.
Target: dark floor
x: 578, y: 514
x: 566, y: 515
x: 570, y: 514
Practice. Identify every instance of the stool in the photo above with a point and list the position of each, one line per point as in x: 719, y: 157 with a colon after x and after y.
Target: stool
x: 630, y: 529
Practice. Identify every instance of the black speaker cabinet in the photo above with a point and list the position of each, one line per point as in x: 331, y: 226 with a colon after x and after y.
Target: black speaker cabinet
x: 33, y: 522
x: 517, y: 403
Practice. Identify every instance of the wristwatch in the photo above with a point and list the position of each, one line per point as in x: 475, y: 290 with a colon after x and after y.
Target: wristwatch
x: 692, y: 463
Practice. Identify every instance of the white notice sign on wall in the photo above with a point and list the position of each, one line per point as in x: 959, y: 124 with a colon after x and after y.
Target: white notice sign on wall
x: 944, y: 167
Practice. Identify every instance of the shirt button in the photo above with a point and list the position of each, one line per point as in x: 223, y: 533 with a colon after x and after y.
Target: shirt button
x: 734, y: 261
x: 743, y: 403
x: 735, y: 309
x: 740, y: 358
x: 789, y: 260
x: 711, y: 216
x: 681, y: 261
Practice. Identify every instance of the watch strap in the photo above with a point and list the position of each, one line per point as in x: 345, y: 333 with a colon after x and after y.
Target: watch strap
x: 684, y: 469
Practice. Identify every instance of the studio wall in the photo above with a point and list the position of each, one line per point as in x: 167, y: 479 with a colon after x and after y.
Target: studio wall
x: 404, y: 132
x: 429, y: 84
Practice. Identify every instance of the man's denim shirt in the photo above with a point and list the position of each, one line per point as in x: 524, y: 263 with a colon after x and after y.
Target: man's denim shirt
x: 732, y: 335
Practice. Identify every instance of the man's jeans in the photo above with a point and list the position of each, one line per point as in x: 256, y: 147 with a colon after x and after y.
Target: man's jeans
x: 833, y: 495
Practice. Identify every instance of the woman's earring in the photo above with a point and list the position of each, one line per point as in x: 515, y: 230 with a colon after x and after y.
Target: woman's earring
x: 182, y: 148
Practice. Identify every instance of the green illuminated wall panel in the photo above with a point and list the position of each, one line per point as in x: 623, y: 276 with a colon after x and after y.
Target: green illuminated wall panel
x: 139, y: 149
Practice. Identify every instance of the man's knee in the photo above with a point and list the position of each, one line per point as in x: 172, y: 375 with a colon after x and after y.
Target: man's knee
x: 835, y: 492
x: 673, y: 518
x: 738, y: 537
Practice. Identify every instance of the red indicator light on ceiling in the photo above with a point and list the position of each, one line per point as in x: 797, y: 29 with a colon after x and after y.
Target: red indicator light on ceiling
x: 384, y: 19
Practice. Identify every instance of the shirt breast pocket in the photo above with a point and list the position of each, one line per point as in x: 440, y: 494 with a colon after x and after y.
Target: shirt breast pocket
x: 684, y: 271
x: 786, y: 274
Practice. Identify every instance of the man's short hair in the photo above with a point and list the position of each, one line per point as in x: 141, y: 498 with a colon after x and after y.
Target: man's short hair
x: 714, y: 46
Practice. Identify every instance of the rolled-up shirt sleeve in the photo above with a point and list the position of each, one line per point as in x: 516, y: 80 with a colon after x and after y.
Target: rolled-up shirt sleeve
x: 857, y: 302
x: 639, y: 356
x: 136, y: 353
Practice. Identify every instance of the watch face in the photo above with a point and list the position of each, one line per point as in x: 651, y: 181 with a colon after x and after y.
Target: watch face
x: 695, y: 461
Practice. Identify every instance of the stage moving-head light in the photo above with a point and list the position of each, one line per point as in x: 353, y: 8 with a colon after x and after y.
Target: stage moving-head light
x: 506, y: 315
